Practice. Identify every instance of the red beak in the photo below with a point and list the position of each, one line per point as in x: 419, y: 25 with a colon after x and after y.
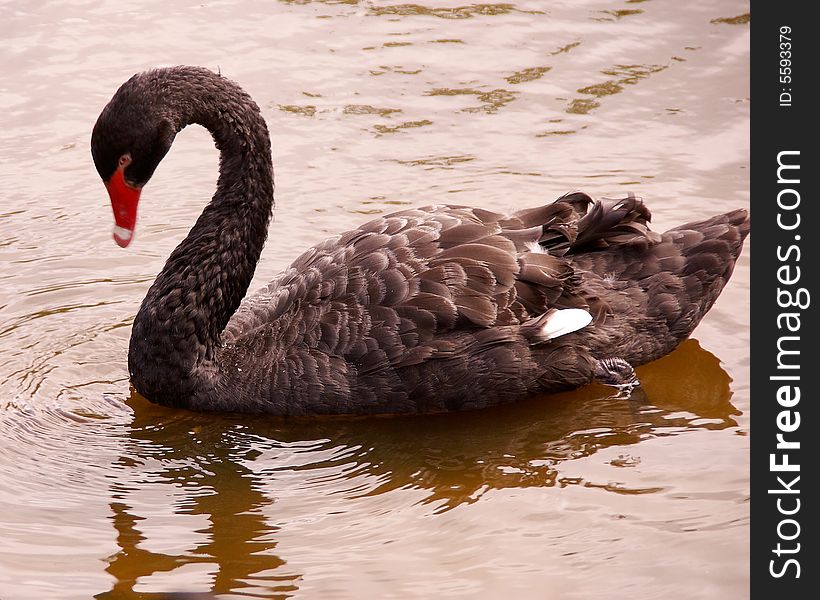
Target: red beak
x: 124, y: 200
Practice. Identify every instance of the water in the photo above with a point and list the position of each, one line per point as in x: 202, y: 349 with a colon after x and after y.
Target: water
x: 372, y: 106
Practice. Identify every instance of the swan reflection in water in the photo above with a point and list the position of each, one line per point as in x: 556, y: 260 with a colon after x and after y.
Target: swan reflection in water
x: 231, y: 469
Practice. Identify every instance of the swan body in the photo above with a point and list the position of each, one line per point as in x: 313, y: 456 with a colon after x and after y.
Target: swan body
x: 430, y: 309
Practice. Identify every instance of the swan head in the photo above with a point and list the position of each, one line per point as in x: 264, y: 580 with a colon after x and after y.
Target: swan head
x: 132, y: 135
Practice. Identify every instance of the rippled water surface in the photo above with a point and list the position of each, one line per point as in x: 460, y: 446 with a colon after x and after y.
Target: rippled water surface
x: 372, y: 106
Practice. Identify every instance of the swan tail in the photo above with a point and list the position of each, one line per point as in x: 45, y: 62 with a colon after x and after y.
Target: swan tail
x: 683, y: 275
x: 709, y: 250
x: 656, y: 295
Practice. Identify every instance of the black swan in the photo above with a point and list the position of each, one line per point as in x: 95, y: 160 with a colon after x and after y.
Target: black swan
x: 431, y: 309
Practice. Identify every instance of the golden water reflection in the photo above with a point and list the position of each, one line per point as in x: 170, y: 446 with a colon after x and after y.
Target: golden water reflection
x: 220, y: 466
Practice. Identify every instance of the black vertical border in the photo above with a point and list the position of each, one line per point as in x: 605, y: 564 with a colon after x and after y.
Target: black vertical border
x: 775, y: 129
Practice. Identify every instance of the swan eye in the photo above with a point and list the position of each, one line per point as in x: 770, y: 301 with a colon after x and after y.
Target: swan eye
x: 124, y: 161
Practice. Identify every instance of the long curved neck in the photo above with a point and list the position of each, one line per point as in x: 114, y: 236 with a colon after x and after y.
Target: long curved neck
x: 207, y: 275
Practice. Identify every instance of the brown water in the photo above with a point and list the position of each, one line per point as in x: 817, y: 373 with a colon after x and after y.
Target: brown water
x: 372, y: 106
